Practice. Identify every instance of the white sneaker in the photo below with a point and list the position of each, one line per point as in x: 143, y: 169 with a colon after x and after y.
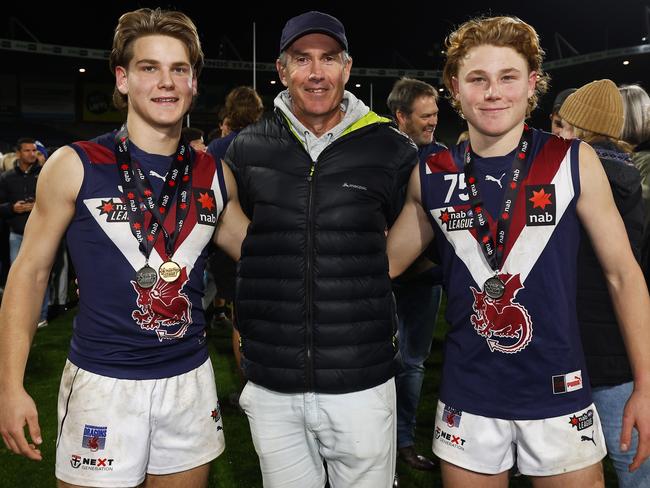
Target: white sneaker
x: 42, y: 323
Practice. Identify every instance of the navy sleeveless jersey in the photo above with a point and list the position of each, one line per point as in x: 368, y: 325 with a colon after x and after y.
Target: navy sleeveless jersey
x: 518, y: 357
x: 123, y: 330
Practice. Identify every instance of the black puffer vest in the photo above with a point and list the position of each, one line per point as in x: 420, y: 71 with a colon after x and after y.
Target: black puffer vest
x: 313, y: 300
x: 605, y: 352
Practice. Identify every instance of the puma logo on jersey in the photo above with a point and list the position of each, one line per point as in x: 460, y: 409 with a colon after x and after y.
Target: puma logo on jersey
x: 153, y: 173
x: 496, y: 180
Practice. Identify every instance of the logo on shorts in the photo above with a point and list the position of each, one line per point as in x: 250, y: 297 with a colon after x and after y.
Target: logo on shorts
x: 216, y: 416
x: 94, y: 437
x: 91, y: 464
x: 583, y: 422
x: 565, y: 383
x: 587, y: 438
x: 455, y: 441
x: 451, y: 416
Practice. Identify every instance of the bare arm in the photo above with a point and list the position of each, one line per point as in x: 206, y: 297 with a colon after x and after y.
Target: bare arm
x: 57, y: 188
x: 627, y: 288
x: 233, y: 223
x: 411, y: 233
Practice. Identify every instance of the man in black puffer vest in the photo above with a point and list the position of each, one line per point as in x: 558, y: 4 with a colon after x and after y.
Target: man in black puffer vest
x: 320, y: 179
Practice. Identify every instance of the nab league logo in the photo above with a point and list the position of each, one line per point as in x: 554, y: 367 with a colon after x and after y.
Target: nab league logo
x: 540, y: 205
x: 457, y: 219
x: 164, y: 306
x: 504, y: 323
x: 114, y: 209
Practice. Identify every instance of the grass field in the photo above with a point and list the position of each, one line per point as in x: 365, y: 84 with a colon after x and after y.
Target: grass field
x: 237, y: 467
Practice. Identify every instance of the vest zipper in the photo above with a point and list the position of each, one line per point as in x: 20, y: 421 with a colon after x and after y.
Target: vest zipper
x: 309, y: 339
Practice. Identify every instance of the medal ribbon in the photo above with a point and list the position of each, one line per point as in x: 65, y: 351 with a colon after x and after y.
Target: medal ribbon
x: 494, y: 253
x: 136, y: 187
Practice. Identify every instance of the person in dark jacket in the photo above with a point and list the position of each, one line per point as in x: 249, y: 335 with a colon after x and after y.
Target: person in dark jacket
x: 413, y: 104
x: 319, y: 179
x: 636, y: 132
x: 17, y: 194
x: 595, y: 112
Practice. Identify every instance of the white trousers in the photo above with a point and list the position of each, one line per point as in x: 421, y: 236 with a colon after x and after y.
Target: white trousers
x: 294, y: 433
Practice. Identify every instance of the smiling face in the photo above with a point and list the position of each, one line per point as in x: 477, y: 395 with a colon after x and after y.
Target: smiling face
x: 159, y: 82
x: 315, y: 74
x: 421, y: 123
x: 493, y: 85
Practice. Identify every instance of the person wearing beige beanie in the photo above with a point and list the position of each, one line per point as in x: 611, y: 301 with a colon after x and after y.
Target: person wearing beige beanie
x: 597, y: 107
x: 596, y: 113
x: 506, y: 208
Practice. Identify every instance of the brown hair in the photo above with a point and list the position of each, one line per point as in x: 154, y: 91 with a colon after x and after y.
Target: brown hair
x: 243, y: 107
x: 501, y: 32
x: 405, y: 91
x: 147, y: 22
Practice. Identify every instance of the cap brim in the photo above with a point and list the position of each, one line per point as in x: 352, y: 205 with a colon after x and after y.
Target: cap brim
x: 313, y: 31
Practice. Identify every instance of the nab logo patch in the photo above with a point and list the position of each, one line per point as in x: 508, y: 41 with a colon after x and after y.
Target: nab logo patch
x: 205, y: 206
x: 540, y: 204
x: 94, y: 437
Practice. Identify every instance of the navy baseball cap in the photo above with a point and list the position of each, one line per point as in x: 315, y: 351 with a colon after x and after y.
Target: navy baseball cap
x: 41, y: 147
x: 311, y: 22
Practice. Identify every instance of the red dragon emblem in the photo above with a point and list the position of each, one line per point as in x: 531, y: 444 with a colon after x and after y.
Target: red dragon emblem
x: 93, y: 443
x: 164, y: 305
x: 504, y: 323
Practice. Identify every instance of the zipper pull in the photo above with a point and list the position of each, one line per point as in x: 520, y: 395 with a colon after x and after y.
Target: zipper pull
x: 311, y: 172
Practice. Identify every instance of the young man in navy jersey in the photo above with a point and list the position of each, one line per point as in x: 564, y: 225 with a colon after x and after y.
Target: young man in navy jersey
x: 137, y: 401
x: 506, y: 210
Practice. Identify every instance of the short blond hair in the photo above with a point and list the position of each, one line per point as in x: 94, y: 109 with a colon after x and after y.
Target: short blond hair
x: 501, y: 32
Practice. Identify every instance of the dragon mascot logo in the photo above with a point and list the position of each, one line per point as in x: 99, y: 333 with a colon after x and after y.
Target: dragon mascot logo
x: 504, y: 323
x: 164, y: 306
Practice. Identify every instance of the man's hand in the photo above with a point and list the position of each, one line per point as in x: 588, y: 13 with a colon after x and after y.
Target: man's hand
x: 22, y: 206
x: 17, y: 409
x: 637, y: 414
